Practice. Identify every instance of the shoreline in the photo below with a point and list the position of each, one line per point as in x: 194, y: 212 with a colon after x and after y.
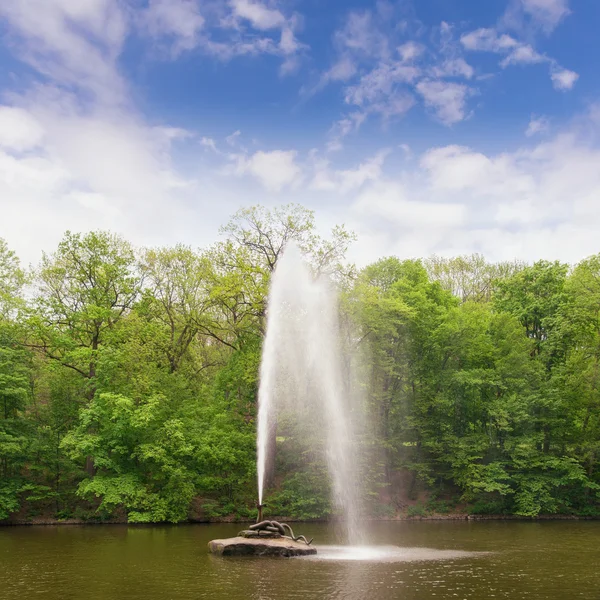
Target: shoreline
x: 228, y: 520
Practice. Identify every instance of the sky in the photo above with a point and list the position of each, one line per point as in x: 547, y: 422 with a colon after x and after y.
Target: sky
x: 426, y: 126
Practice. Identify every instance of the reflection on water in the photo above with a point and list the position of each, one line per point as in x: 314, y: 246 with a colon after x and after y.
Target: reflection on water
x: 386, y: 554
x: 408, y: 561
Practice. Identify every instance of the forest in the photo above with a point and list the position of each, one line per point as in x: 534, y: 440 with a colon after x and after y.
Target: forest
x: 128, y: 380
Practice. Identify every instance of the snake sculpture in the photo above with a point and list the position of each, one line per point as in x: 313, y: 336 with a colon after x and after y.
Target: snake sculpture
x: 282, y: 529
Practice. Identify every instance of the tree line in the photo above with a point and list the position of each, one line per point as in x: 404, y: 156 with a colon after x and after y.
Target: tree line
x: 128, y: 380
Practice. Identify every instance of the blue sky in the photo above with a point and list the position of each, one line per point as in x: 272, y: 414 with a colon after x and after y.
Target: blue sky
x: 429, y: 126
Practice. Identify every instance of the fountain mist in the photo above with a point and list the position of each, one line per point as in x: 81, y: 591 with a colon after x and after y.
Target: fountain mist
x: 302, y: 365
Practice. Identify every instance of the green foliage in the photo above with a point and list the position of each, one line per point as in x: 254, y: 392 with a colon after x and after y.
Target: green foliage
x: 492, y: 505
x: 143, y: 457
x: 304, y: 495
x: 416, y: 510
x: 128, y: 383
x: 440, y: 507
x: 9, y: 498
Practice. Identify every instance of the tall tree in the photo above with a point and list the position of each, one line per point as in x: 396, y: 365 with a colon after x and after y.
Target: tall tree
x: 84, y: 289
x: 470, y: 277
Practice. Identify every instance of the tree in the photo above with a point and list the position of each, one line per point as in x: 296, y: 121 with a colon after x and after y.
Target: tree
x: 15, y: 386
x: 470, y: 277
x: 176, y: 294
x: 84, y: 289
x: 534, y: 295
x: 12, y: 279
x: 265, y: 233
x: 15, y: 433
x: 578, y: 380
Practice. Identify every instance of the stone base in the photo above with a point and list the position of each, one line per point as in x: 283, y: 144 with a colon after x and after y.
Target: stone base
x: 259, y: 546
x: 265, y: 535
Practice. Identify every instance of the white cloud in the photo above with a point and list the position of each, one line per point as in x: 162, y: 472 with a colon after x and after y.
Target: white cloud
x: 563, y: 79
x: 179, y: 19
x: 518, y: 53
x: 275, y: 170
x: 19, y: 130
x: 232, y: 139
x: 88, y: 172
x: 409, y: 51
x: 74, y: 151
x: 488, y: 40
x: 342, y: 70
x: 530, y: 203
x: 258, y: 14
x: 361, y: 35
x: 224, y: 30
x: 288, y: 43
x: 385, y: 75
x: 391, y: 201
x: 344, y: 127
x: 455, y: 168
x: 536, y: 14
x: 548, y: 12
x: 523, y: 55
x: 208, y: 142
x: 447, y: 99
x: 290, y: 47
x: 87, y: 159
x: 391, y: 219
x: 455, y: 67
x: 537, y: 125
x: 345, y: 180
x: 72, y: 43
x: 376, y: 86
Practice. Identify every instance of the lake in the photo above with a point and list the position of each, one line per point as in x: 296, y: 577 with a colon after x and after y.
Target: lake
x: 410, y: 561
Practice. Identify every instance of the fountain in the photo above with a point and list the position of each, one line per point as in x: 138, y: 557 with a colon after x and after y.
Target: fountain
x: 301, y: 369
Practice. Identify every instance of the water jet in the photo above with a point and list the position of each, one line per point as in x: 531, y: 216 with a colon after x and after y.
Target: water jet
x: 301, y: 369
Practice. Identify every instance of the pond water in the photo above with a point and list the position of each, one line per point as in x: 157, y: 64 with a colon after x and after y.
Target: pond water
x: 408, y: 560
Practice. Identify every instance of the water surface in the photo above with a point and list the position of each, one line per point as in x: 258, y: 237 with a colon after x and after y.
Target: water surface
x: 409, y: 561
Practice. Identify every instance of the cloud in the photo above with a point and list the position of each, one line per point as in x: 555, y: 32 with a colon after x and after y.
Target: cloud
x: 344, y: 181
x: 522, y: 55
x: 344, y: 127
x: 488, y: 40
x: 74, y: 151
x: 533, y: 202
x: 374, y: 88
x: 99, y: 170
x: 342, y: 70
x: 232, y: 139
x: 547, y: 12
x: 517, y: 53
x: 456, y: 168
x: 456, y: 67
x: 537, y: 125
x: 19, y: 130
x: 275, y: 170
x: 361, y: 35
x: 391, y: 220
x: 260, y: 16
x: 72, y: 43
x: 223, y: 30
x: 384, y: 74
x: 563, y: 79
x: 446, y: 99
x: 409, y: 51
x: 391, y: 201
x: 208, y: 142
x: 533, y: 15
x: 178, y: 19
